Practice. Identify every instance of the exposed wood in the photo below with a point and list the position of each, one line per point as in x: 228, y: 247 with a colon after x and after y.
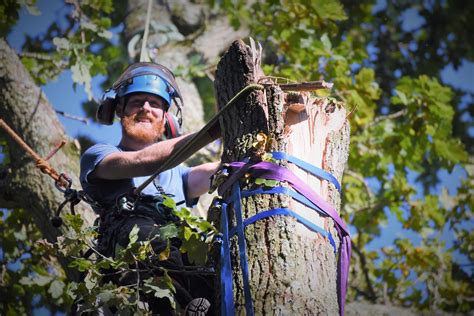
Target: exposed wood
x: 292, y: 270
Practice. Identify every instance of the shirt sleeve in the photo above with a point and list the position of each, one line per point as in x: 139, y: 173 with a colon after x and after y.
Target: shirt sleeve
x: 184, y: 171
x: 92, y: 157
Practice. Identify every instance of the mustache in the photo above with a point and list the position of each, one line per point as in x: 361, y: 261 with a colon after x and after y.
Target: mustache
x: 140, y: 116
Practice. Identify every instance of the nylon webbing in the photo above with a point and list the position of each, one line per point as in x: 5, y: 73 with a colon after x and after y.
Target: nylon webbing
x: 302, y: 194
x: 298, y: 197
x: 227, y: 296
x: 288, y: 212
x: 318, y: 172
x: 242, y: 253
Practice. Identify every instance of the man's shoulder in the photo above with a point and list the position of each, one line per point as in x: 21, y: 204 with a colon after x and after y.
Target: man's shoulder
x: 99, y: 148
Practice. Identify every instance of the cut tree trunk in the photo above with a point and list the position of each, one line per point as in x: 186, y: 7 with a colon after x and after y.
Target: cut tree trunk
x: 293, y: 271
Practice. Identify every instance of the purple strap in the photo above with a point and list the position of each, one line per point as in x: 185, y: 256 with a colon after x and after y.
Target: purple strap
x: 268, y: 170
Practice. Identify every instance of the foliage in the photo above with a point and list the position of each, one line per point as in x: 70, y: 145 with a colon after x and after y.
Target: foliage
x: 406, y: 127
x: 84, y: 45
x: 31, y: 277
x: 31, y: 269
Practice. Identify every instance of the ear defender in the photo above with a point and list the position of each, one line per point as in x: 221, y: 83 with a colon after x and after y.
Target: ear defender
x: 172, y: 126
x: 106, y: 111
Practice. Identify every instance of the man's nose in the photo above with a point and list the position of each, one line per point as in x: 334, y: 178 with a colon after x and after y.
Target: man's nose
x: 146, y: 106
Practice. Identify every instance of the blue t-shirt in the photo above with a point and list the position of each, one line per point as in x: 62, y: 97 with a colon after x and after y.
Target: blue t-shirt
x: 104, y: 191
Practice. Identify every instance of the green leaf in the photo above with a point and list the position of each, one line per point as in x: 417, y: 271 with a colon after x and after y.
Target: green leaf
x: 169, y: 202
x: 90, y: 281
x: 187, y: 233
x: 61, y: 43
x: 165, y: 254
x: 271, y: 183
x: 205, y: 226
x: 196, y: 249
x: 40, y: 280
x: 160, y: 288
x: 56, y: 288
x: 326, y: 42
x: 81, y: 264
x: 81, y: 75
x: 20, y: 235
x: 402, y: 96
x: 452, y: 150
x: 329, y: 9
x: 133, y: 235
x: 105, y: 296
x: 168, y: 231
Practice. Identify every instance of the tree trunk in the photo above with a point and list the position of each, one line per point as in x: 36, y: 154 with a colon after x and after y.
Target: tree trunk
x: 25, y: 108
x: 292, y: 269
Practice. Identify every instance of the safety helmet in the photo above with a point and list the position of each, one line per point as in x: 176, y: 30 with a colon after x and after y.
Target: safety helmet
x: 148, y: 78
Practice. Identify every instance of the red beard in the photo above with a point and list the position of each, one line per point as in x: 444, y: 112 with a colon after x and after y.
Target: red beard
x: 143, y: 133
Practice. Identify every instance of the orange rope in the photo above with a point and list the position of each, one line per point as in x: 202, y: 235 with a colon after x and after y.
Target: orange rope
x: 41, y: 163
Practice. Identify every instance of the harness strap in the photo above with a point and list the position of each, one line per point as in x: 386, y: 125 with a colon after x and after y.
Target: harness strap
x: 287, y: 212
x: 318, y: 172
x: 268, y: 170
x: 227, y: 296
x: 298, y: 197
x: 241, y: 241
x: 272, y: 171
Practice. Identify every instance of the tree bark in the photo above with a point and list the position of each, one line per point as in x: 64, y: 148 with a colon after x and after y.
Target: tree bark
x: 292, y: 269
x: 25, y: 108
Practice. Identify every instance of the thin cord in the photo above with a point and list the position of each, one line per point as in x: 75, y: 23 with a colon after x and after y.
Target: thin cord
x: 143, y: 53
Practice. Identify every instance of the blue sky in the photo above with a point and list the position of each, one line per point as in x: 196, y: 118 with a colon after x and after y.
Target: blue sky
x: 63, y: 97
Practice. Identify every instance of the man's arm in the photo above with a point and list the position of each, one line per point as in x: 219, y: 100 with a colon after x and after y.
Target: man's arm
x: 199, y: 179
x: 144, y: 162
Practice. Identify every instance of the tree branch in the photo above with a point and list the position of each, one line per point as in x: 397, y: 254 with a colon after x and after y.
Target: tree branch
x: 364, y: 182
x: 363, y: 263
x: 388, y: 117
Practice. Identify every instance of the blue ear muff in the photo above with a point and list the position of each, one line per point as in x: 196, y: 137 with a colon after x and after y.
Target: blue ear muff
x: 172, y: 126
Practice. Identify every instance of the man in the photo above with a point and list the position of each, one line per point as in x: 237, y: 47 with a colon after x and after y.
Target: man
x: 142, y: 97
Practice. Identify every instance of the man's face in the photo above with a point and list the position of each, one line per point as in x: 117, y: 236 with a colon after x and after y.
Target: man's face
x: 143, y: 118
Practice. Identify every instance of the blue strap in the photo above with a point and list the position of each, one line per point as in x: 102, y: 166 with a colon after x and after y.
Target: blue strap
x: 227, y: 296
x: 320, y: 173
x: 241, y: 241
x: 299, y: 197
x: 287, y: 212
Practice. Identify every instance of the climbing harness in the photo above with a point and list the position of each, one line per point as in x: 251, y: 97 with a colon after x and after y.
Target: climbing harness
x: 301, y: 193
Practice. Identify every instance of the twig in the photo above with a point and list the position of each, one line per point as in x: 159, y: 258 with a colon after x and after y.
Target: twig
x: 388, y: 117
x: 372, y: 296
x: 99, y: 254
x: 73, y: 117
x: 276, y: 79
x: 138, y: 282
x: 55, y: 149
x: 306, y: 86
